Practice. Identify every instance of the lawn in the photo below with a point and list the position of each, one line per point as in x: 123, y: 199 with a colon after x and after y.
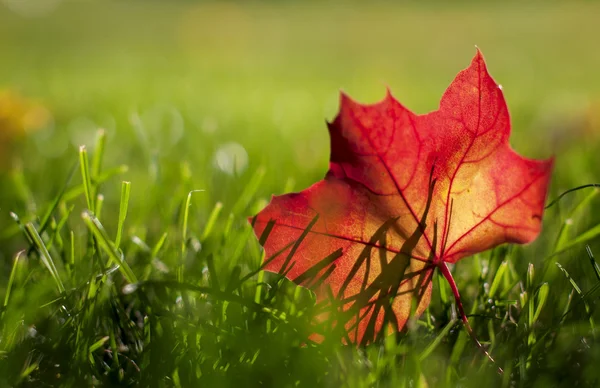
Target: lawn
x: 206, y: 110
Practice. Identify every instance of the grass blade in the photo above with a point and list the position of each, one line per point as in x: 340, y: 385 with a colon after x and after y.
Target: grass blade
x: 98, y: 153
x: 123, y: 205
x: 542, y: 297
x: 186, y: 215
x: 159, y: 244
x: 593, y: 262
x: 581, y: 296
x: 11, y: 279
x: 80, y: 189
x: 98, y: 344
x: 212, y: 219
x: 434, y: 344
x: 585, y: 236
x: 99, y: 232
x: 87, y: 179
x: 563, y: 234
x: 44, y: 255
x: 497, y: 279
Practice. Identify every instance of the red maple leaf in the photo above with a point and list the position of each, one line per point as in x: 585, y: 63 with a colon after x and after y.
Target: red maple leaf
x: 405, y: 194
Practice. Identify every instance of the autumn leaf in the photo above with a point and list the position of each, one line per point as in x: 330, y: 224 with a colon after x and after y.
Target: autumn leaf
x: 405, y: 194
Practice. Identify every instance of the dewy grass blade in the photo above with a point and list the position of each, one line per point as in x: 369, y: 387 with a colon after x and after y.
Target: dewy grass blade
x: 98, y: 153
x: 437, y: 340
x: 567, y: 306
x: 72, y: 255
x: 44, y: 255
x: 530, y: 275
x: 289, y: 185
x: 570, y: 279
x: 258, y: 292
x: 123, y: 205
x: 141, y: 244
x: 442, y: 287
x: 20, y: 225
x: 585, y: 236
x: 159, y: 245
x: 581, y: 296
x: 593, y: 261
x: 80, y: 189
x: 29, y: 368
x: 228, y: 226
x: 542, y: 297
x: 212, y: 219
x: 186, y: 214
x: 497, y: 279
x: 64, y: 218
x: 114, y: 348
x: 98, y: 344
x: 563, y: 235
x: 103, y: 240
x: 11, y: 279
x: 86, y: 177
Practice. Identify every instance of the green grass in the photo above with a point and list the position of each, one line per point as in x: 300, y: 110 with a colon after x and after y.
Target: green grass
x: 130, y: 261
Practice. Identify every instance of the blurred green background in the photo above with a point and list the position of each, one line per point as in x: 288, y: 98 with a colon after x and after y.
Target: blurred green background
x: 263, y: 74
x: 202, y: 95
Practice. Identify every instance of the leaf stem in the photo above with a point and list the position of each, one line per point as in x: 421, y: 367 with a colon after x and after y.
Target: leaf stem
x: 448, y: 275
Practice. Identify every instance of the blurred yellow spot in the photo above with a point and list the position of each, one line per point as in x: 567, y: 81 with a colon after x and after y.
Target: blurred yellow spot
x: 592, y: 120
x: 18, y: 117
